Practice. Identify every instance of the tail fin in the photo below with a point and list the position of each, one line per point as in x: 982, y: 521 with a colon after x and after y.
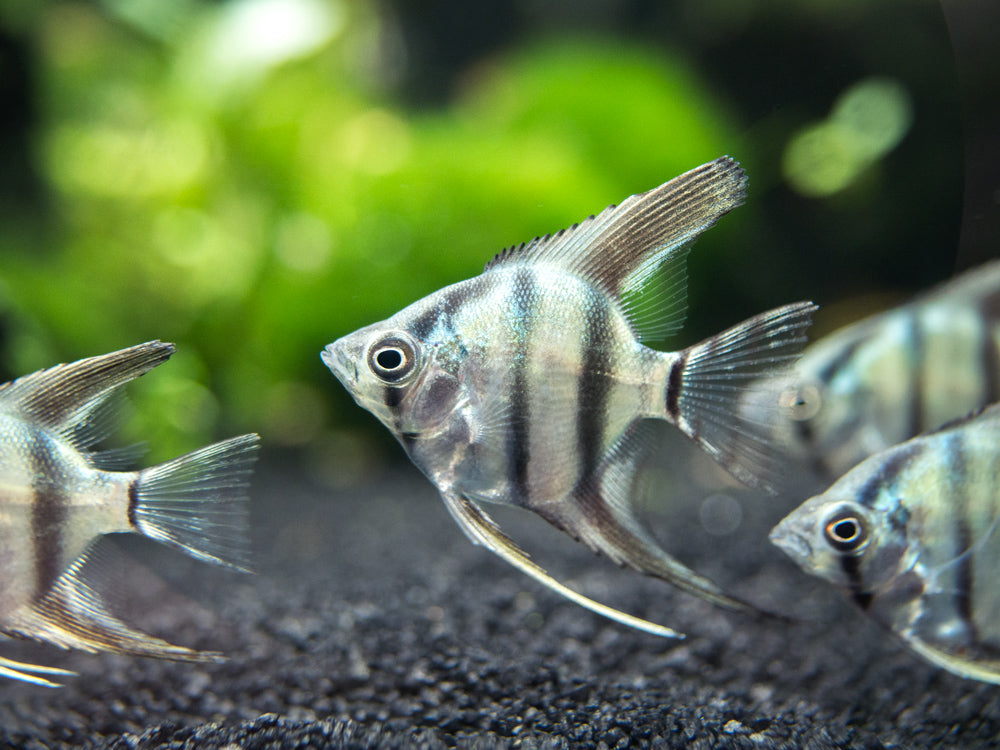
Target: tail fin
x: 707, y: 381
x: 198, y: 502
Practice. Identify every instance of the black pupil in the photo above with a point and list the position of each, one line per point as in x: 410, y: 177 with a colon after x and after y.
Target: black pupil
x: 846, y: 530
x: 389, y: 359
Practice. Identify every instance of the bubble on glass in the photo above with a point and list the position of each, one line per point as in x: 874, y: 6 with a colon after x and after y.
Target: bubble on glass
x: 721, y: 514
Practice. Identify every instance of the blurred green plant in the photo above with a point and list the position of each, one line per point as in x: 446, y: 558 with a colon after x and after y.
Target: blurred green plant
x: 867, y: 121
x: 233, y: 178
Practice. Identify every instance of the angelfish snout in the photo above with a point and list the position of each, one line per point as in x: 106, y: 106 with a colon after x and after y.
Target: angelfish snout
x: 791, y: 542
x: 334, y: 357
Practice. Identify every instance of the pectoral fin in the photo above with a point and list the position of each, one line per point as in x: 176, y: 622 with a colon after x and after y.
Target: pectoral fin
x: 482, y: 530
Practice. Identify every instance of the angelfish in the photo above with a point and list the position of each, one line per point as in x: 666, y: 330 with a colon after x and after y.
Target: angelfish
x: 892, y: 376
x: 528, y: 384
x: 912, y: 535
x: 58, y: 495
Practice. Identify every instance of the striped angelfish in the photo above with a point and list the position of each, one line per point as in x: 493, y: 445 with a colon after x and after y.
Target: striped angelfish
x: 57, y: 496
x: 912, y: 534
x: 892, y: 376
x: 527, y: 384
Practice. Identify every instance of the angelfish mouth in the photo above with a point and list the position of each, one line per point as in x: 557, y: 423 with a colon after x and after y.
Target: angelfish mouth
x: 791, y: 543
x: 342, y: 368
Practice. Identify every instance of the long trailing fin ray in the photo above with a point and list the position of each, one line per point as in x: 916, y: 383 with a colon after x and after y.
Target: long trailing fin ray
x: 620, y: 247
x: 716, y: 374
x: 980, y: 669
x: 482, y: 530
x: 73, y: 615
x: 602, y: 516
x: 198, y: 502
x: 16, y: 670
x: 69, y: 399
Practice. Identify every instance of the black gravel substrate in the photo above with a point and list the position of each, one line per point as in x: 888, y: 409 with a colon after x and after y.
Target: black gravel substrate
x: 373, y: 623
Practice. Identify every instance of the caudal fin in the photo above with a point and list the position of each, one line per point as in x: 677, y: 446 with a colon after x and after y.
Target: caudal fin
x: 198, y: 502
x: 707, y: 381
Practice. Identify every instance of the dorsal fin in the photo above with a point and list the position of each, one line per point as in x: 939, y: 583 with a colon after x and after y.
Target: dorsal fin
x: 992, y: 410
x: 620, y: 247
x: 67, y: 398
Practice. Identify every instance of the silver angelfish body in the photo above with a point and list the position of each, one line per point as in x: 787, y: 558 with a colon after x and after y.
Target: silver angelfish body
x: 913, y: 535
x: 58, y: 496
x: 892, y: 376
x: 528, y: 384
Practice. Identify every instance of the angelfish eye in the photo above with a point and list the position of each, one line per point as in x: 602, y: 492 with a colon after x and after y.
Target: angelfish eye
x: 392, y: 358
x: 802, y: 402
x: 846, y: 531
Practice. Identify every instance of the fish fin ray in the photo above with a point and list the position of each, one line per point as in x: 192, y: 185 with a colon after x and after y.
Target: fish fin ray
x: 933, y: 572
x: 601, y: 515
x: 623, y: 245
x: 985, y: 670
x: 24, y: 672
x: 71, y: 399
x: 74, y: 615
x: 483, y: 530
x: 198, y: 502
x: 989, y: 411
x: 656, y: 306
x: 117, y: 459
x: 717, y: 375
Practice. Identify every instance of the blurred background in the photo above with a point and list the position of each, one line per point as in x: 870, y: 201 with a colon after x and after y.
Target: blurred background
x: 253, y: 179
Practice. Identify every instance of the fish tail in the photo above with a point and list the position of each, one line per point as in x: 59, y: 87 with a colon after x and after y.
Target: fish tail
x: 198, y: 502
x: 707, y: 381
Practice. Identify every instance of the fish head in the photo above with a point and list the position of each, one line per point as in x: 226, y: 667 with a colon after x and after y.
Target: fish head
x: 856, y: 541
x: 401, y: 378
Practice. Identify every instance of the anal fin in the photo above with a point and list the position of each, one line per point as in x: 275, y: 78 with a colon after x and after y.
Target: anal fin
x: 74, y: 615
x: 601, y: 515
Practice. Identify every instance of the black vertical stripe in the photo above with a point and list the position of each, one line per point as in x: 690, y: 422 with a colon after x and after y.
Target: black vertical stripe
x: 964, y: 569
x: 674, y: 382
x: 133, y: 503
x: 897, y: 460
x: 918, y: 384
x: 844, y: 358
x: 48, y: 515
x: 851, y: 565
x: 523, y: 312
x: 593, y: 389
x: 990, y: 362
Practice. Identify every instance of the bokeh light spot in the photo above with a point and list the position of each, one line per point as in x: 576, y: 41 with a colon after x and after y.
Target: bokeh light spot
x: 867, y: 121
